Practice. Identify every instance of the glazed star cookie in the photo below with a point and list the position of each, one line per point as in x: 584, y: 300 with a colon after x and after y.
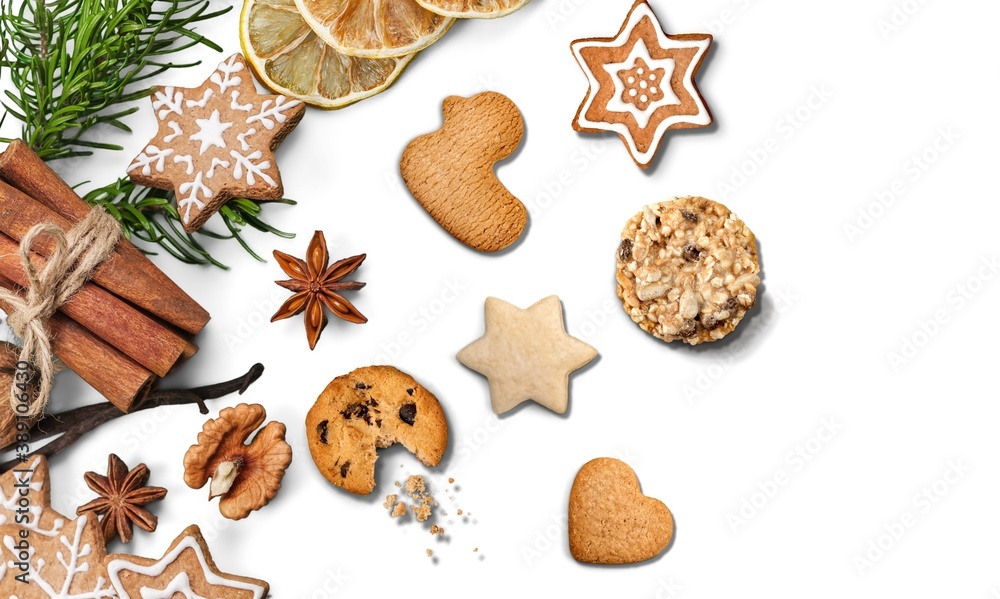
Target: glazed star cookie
x: 67, y: 565
x: 186, y: 569
x: 216, y: 142
x: 366, y: 410
x: 642, y: 83
x: 687, y: 270
x: 610, y: 520
x: 43, y: 554
x: 527, y: 355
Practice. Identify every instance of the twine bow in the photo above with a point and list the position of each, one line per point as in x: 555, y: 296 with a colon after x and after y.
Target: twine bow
x: 77, y: 253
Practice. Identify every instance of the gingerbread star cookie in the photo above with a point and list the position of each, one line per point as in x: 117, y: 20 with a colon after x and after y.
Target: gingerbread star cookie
x: 216, y: 142
x: 642, y: 83
x: 43, y: 554
x: 527, y: 354
x: 187, y: 569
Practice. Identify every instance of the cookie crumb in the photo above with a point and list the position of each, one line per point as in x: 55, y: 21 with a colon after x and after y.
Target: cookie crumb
x: 415, y: 485
x: 422, y: 512
x: 451, y: 481
x: 430, y: 553
x: 416, y: 498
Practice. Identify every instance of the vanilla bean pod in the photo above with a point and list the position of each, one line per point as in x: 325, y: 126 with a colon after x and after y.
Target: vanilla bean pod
x: 73, y: 424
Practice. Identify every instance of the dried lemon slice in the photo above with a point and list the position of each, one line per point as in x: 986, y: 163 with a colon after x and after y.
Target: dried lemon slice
x: 289, y: 58
x: 374, y: 28
x: 473, y: 9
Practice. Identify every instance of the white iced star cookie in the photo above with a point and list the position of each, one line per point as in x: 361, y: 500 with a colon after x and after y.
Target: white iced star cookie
x: 527, y: 354
x: 186, y: 569
x: 642, y: 83
x: 43, y: 554
x: 216, y: 142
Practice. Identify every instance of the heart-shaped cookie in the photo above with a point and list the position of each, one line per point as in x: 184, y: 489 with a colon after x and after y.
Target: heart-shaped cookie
x: 610, y: 520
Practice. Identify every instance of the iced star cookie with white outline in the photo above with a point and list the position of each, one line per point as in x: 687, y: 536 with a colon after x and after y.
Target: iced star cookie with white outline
x: 186, y: 569
x: 44, y: 554
x: 216, y: 142
x: 642, y: 83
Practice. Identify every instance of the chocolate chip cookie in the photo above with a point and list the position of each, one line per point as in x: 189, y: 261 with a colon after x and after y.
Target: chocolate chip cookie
x: 365, y: 410
x: 687, y: 270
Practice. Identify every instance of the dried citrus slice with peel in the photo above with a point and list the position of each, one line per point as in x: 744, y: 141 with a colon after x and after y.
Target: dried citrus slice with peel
x: 374, y: 28
x: 289, y: 58
x: 473, y: 9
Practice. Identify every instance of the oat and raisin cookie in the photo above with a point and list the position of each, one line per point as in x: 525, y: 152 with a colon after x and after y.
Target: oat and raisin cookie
x: 687, y: 270
x: 365, y: 410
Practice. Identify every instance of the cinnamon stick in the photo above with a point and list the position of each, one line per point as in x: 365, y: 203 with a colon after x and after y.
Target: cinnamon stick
x: 20, y: 212
x: 112, y: 374
x: 112, y: 320
x: 151, y: 289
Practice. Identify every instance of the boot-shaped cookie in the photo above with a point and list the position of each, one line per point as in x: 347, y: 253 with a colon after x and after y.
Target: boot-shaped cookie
x: 450, y: 171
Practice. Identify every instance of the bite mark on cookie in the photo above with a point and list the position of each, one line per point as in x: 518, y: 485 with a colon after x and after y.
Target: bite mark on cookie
x: 349, y: 423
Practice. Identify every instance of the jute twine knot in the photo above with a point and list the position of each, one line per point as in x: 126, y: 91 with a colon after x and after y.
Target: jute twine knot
x: 77, y: 253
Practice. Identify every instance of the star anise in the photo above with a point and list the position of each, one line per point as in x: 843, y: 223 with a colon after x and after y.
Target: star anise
x: 316, y: 285
x: 123, y: 493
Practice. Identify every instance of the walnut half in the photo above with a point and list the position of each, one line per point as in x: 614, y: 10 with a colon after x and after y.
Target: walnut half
x: 246, y: 476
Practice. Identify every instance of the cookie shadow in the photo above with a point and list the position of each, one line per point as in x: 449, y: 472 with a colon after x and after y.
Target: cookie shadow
x: 744, y: 333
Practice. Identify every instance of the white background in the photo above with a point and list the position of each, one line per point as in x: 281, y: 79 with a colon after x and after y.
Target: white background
x: 705, y: 429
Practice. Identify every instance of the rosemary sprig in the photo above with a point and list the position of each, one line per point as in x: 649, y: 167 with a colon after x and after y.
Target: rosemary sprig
x: 78, y: 65
x: 74, y: 63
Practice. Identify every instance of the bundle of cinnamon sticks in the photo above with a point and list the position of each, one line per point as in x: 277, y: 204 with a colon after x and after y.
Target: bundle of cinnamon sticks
x: 125, y: 328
